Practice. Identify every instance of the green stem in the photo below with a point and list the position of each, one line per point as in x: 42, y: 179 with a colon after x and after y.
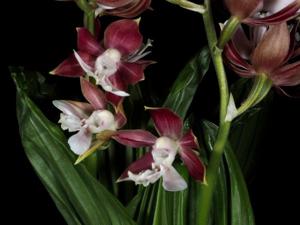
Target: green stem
x: 229, y: 29
x: 84, y: 6
x: 206, y: 194
x: 216, y: 55
x: 89, y: 21
x: 207, y: 191
x: 261, y: 87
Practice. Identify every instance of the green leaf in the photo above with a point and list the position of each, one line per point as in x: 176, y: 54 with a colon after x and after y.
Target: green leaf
x: 171, y: 207
x: 240, y: 206
x: 185, y: 86
x: 79, y: 197
x: 247, y: 130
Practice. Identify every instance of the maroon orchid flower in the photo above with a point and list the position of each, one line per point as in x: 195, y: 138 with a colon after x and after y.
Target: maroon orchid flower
x: 158, y: 162
x: 263, y: 12
x: 122, y: 8
x: 88, y: 118
x: 267, y: 53
x: 115, y: 63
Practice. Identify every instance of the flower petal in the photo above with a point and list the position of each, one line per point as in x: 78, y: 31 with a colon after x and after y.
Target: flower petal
x: 242, y: 43
x: 189, y: 140
x: 132, y: 73
x: 80, y: 142
x: 84, y: 65
x: 114, y: 3
x: 288, y: 75
x: 242, y: 8
x: 287, y: 13
x: 143, y: 163
x: 123, y: 35
x: 93, y: 94
x: 272, y: 50
x: 130, y: 10
x: 86, y: 42
x: 79, y: 109
x: 69, y: 68
x: 120, y: 116
x: 195, y: 166
x: 172, y: 181
x: 135, y: 138
x: 274, y: 6
x: 166, y: 122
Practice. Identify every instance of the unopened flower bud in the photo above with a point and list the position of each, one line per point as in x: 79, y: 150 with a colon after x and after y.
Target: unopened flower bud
x: 242, y: 8
x: 272, y: 50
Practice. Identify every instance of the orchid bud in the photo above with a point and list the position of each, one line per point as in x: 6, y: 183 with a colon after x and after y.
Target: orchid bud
x: 272, y: 50
x: 242, y: 8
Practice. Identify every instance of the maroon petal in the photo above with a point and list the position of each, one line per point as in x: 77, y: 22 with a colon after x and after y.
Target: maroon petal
x: 86, y: 42
x: 166, y: 122
x: 93, y: 94
x: 135, y: 138
x: 117, y: 82
x: 189, y: 140
x: 242, y: 43
x: 113, y: 99
x: 234, y: 57
x: 120, y: 116
x: 193, y: 163
x: 71, y: 68
x: 123, y: 35
x: 130, y: 10
x: 144, y: 163
x: 132, y: 73
x: 288, y: 75
x: 287, y: 13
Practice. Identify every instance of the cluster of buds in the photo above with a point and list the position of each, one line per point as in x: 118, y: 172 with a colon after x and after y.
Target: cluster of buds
x: 106, y: 68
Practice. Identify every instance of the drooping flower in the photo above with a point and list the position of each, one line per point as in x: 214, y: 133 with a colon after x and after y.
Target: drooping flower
x: 159, y: 161
x: 263, y: 12
x: 115, y: 63
x: 87, y: 118
x: 122, y: 8
x: 268, y: 53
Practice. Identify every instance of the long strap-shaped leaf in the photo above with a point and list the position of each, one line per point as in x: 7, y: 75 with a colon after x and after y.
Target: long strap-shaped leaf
x: 79, y: 197
x: 241, y: 210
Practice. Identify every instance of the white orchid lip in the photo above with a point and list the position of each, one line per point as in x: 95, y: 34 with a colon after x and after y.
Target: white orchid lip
x: 107, y: 63
x: 164, y: 151
x: 101, y: 120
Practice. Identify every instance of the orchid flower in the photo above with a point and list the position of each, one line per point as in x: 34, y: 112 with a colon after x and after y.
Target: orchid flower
x: 114, y: 64
x: 263, y: 12
x: 268, y: 52
x: 122, y: 8
x: 87, y: 118
x: 159, y: 161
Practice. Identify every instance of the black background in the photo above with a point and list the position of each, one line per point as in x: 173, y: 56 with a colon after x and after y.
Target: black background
x: 39, y: 34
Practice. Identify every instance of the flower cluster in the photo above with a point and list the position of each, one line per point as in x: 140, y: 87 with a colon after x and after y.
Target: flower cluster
x: 271, y: 44
x: 106, y: 68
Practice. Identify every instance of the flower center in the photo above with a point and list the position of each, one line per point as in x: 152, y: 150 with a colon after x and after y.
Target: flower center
x: 164, y: 151
x: 101, y: 120
x: 107, y: 64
